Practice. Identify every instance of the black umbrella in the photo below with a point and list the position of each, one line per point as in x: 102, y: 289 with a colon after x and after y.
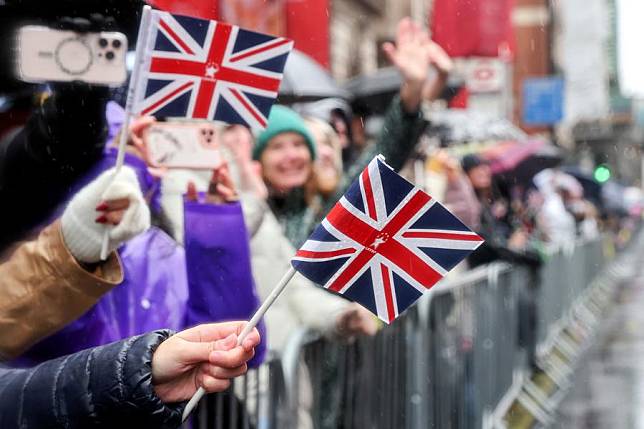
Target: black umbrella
x: 374, y: 91
x: 608, y: 195
x: 613, y: 197
x: 383, y: 80
x: 592, y: 188
x: 306, y: 80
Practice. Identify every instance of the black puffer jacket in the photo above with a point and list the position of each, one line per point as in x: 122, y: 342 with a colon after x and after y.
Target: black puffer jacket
x: 104, y: 387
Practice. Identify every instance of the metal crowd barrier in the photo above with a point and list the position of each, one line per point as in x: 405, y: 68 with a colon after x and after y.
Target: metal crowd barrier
x: 362, y: 382
x: 256, y: 400
x: 446, y: 362
x: 565, y: 277
x: 449, y: 361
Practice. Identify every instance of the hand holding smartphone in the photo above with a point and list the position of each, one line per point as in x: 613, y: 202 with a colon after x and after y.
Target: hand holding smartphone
x: 182, y: 144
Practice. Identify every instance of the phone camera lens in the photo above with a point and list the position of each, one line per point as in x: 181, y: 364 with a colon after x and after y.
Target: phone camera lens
x: 102, y: 42
x: 116, y: 44
x: 109, y: 55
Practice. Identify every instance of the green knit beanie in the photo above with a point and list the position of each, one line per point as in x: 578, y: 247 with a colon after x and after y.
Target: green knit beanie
x: 282, y: 120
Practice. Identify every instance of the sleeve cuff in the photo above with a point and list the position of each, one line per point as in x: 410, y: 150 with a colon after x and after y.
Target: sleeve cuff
x: 103, y: 277
x: 398, y: 104
x: 138, y: 374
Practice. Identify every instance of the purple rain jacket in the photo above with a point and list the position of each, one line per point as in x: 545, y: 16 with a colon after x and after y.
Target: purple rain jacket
x: 220, y: 279
x: 164, y: 286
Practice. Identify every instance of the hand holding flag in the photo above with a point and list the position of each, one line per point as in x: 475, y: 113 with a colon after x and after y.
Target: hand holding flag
x: 196, y: 68
x: 383, y: 245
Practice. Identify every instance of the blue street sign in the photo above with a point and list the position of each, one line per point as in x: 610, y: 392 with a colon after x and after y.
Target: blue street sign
x: 543, y: 100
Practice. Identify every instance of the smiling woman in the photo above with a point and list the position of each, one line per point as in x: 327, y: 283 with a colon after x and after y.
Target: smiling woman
x: 286, y: 171
x: 286, y: 151
x: 286, y: 162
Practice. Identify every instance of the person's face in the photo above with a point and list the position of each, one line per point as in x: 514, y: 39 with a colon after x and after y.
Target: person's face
x: 481, y: 177
x: 325, y: 161
x: 341, y: 128
x: 286, y: 162
x: 326, y: 171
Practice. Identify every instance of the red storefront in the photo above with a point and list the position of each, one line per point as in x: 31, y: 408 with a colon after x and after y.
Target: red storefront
x: 305, y: 21
x: 466, y: 28
x: 473, y: 28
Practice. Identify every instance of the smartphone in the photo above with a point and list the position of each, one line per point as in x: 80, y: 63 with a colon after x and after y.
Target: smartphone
x: 191, y: 145
x: 48, y: 55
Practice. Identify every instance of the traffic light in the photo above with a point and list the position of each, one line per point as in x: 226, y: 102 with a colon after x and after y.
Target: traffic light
x: 602, y: 173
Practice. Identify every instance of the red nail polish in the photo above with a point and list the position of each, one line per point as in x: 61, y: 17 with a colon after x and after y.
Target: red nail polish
x: 102, y: 206
x: 101, y: 219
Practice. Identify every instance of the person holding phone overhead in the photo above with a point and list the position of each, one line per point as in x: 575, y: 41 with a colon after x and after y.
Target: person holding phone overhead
x: 65, y: 135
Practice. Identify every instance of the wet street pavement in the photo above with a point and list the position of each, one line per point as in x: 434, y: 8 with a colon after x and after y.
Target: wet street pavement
x: 608, y: 386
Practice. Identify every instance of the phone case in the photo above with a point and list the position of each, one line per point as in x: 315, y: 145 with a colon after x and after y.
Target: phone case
x: 49, y: 55
x: 192, y: 146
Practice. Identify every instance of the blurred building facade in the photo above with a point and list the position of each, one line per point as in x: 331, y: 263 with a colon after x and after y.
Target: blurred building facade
x: 359, y: 27
x: 342, y: 35
x: 549, y: 66
x: 599, y: 126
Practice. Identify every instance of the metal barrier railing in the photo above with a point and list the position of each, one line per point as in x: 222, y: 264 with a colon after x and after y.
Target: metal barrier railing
x: 472, y: 340
x: 447, y: 362
x: 564, y: 277
x: 362, y: 381
x: 256, y: 400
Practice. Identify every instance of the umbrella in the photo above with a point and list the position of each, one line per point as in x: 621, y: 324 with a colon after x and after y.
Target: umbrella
x: 322, y: 109
x: 550, y: 180
x: 374, y: 90
x: 305, y: 79
x: 608, y: 195
x: 383, y: 80
x: 521, y: 161
x: 613, y: 197
x: 592, y: 188
x: 466, y: 125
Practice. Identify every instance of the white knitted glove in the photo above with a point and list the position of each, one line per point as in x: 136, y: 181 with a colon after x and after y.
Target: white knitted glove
x: 83, y: 235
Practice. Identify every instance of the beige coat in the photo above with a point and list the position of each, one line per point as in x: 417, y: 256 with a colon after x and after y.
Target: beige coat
x: 43, y: 288
x: 302, y: 304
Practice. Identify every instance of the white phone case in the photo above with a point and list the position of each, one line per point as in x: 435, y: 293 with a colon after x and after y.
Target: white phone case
x: 182, y: 145
x: 49, y: 55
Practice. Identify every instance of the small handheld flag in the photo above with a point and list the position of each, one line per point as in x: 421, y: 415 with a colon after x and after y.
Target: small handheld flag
x: 198, y: 68
x: 385, y: 243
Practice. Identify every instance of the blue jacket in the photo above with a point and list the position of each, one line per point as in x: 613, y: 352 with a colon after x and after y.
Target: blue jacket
x: 104, y: 387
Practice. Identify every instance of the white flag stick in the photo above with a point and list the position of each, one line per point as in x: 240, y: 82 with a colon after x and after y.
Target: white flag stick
x: 141, y: 46
x: 247, y: 329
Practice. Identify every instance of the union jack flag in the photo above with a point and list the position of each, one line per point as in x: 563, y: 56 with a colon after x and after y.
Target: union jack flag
x: 205, y: 69
x: 384, y: 243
